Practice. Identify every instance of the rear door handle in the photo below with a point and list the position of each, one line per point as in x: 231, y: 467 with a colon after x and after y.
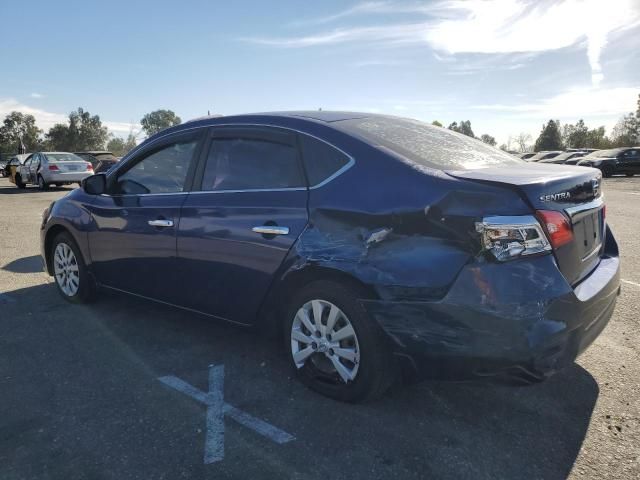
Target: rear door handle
x: 271, y: 230
x: 160, y: 223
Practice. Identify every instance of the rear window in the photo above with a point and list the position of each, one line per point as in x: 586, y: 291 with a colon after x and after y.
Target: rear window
x: 427, y: 145
x: 63, y: 157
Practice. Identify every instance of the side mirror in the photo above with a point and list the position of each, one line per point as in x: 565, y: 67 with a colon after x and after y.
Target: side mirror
x: 95, y: 184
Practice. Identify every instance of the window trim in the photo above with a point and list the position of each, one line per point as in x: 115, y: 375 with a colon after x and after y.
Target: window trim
x: 199, y: 160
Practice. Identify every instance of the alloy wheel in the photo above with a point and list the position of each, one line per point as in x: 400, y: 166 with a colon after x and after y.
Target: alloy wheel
x: 65, y: 266
x: 322, y: 334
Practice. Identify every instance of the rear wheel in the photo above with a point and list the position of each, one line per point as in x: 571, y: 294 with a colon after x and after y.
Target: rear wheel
x: 629, y: 174
x: 607, y: 171
x: 334, y: 347
x: 42, y: 185
x: 70, y: 272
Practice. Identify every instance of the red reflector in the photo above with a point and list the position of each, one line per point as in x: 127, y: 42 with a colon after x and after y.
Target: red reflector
x: 53, y: 167
x: 557, y: 226
x: 89, y: 166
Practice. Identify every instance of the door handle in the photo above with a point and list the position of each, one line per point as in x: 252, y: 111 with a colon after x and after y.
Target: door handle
x: 161, y: 223
x: 271, y: 230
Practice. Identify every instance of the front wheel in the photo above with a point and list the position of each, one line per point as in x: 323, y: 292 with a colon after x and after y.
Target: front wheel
x: 19, y: 183
x: 70, y: 272
x: 334, y: 347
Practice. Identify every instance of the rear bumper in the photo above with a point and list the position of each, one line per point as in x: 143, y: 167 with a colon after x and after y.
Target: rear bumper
x: 516, y: 322
x: 70, y: 177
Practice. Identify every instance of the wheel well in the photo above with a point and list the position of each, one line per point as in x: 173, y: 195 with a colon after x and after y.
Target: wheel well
x: 48, y: 241
x: 297, y: 279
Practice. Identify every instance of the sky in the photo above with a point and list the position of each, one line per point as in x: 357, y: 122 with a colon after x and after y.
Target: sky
x: 506, y: 65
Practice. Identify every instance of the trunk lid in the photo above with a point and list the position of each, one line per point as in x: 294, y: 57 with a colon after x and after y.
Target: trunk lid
x: 575, y: 191
x: 70, y: 166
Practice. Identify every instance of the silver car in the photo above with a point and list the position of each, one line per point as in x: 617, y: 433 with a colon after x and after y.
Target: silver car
x: 53, y: 168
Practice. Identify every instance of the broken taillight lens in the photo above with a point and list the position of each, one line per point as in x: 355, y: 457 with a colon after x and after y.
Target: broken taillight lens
x: 53, y: 168
x: 558, y: 227
x: 507, y: 238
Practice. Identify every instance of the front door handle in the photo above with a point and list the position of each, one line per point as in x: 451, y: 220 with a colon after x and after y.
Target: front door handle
x: 161, y: 223
x: 271, y: 230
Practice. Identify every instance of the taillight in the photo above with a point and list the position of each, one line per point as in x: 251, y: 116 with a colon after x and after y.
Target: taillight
x: 89, y: 167
x: 507, y: 238
x: 53, y: 168
x: 557, y: 226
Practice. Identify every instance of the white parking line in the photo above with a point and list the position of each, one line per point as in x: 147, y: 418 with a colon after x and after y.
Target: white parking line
x: 217, y: 409
x: 631, y: 283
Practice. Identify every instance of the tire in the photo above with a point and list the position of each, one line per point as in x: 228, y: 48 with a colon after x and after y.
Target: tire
x: 19, y: 182
x: 58, y: 185
x: 65, y: 255
x: 371, y: 370
x: 629, y: 174
x: 42, y: 185
x: 607, y: 171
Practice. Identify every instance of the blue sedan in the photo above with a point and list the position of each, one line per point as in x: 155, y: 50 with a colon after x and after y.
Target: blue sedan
x: 379, y: 248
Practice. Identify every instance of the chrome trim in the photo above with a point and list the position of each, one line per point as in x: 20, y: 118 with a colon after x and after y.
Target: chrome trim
x: 336, y: 174
x: 592, y: 253
x: 289, y: 189
x: 118, y: 195
x: 271, y: 230
x: 161, y: 223
x: 592, y: 205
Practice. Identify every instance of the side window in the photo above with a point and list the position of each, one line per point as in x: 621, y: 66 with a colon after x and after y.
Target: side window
x: 251, y: 164
x: 163, y: 171
x: 321, y: 159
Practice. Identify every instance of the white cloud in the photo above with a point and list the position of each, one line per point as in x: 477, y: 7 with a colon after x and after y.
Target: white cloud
x: 574, y: 104
x: 45, y: 120
x: 36, y: 95
x: 484, y: 27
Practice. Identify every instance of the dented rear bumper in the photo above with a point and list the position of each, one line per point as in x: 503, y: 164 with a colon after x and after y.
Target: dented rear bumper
x: 518, y: 322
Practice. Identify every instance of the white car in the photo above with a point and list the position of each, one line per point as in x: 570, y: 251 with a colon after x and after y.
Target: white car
x: 53, y: 168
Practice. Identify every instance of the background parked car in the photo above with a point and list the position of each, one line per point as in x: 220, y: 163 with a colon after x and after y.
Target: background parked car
x: 617, y: 160
x: 544, y: 155
x: 57, y: 168
x: 3, y: 165
x: 563, y: 157
x: 525, y: 155
x: 14, y: 163
x: 102, y: 160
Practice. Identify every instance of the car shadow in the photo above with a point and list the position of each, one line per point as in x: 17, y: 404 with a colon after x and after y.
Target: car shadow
x: 103, y: 360
x: 31, y: 264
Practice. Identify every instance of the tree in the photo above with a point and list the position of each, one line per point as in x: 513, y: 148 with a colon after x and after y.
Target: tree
x: 488, y: 139
x: 120, y: 146
x: 159, y: 120
x: 577, y: 135
x: 464, y: 128
x: 550, y: 138
x: 626, y: 132
x: 596, y: 138
x: 438, y: 124
x: 19, y: 126
x: 84, y: 132
x: 523, y: 141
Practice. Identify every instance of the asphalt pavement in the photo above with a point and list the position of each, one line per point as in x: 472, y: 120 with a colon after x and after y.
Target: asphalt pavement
x: 85, y: 391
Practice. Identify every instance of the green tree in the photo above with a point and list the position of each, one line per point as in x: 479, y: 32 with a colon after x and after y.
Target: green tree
x: 159, y: 120
x: 120, y: 146
x: 17, y: 126
x: 436, y: 123
x: 464, y: 127
x: 596, y: 138
x: 550, y: 137
x: 578, y: 136
x: 626, y: 132
x: 84, y: 132
x: 488, y: 139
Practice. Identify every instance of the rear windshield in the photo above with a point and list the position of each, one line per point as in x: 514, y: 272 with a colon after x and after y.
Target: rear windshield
x: 427, y: 145
x: 63, y: 157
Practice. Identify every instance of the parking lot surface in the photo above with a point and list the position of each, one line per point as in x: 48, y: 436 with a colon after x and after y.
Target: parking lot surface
x: 80, y: 395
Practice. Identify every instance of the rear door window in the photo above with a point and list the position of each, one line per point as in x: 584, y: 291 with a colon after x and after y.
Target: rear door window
x: 321, y: 160
x: 251, y: 162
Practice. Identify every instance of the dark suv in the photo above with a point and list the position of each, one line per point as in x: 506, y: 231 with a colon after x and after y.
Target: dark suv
x: 624, y: 160
x: 372, y: 244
